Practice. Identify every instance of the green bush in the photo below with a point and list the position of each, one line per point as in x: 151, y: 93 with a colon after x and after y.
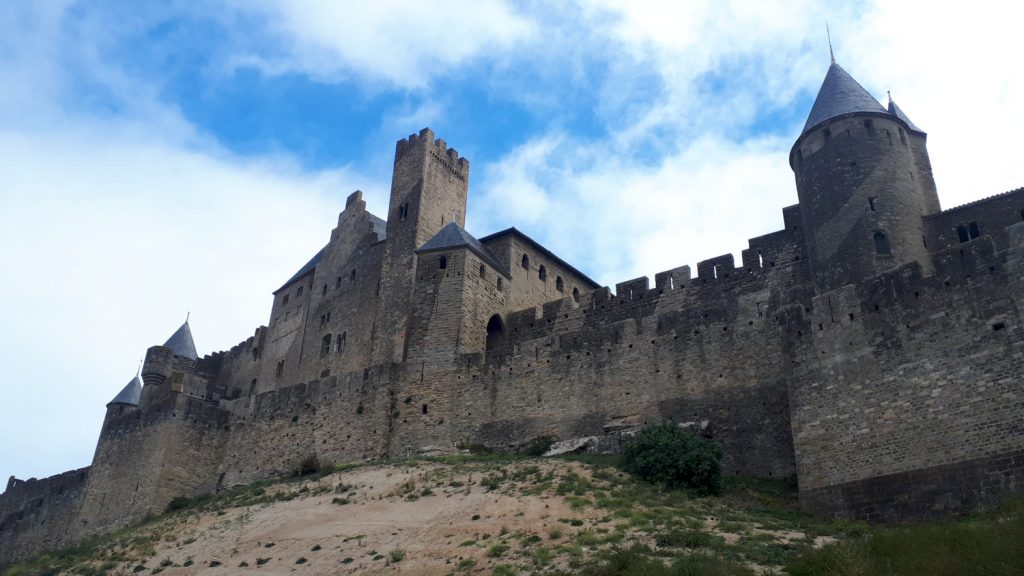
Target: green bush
x: 667, y: 454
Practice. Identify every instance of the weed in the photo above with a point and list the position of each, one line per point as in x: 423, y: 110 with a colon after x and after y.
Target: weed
x: 497, y: 550
x: 397, y: 555
x: 301, y: 560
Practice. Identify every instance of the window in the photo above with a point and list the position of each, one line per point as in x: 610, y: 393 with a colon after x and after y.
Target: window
x: 403, y: 211
x: 483, y: 271
x: 324, y: 291
x: 974, y: 230
x: 961, y: 233
x: 526, y: 262
x: 280, y: 369
x: 542, y: 273
x: 828, y: 134
x: 499, y: 284
x: 576, y: 294
x: 854, y: 170
x: 559, y: 285
x: 352, y: 275
x: 285, y: 301
x: 882, y: 244
x: 342, y: 342
x: 337, y: 283
x: 325, y: 345
x: 299, y: 293
x: 442, y: 262
x: 903, y: 137
x: 871, y: 204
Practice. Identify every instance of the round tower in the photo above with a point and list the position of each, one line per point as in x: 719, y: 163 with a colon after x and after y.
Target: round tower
x: 864, y: 183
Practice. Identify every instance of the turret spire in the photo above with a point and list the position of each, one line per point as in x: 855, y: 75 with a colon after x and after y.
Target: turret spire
x: 181, y: 342
x: 830, y: 52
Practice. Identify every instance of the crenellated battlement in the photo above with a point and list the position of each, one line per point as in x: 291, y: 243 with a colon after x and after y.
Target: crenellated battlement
x: 438, y: 149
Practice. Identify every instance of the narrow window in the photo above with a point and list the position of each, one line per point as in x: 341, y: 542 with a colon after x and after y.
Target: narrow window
x: 442, y: 262
x: 325, y: 345
x: 526, y: 262
x: 324, y: 292
x: 559, y: 285
x: 280, y: 368
x: 424, y: 409
x: 299, y: 293
x: 903, y: 137
x: 337, y: 283
x: 1022, y: 214
x: 871, y: 203
x: 870, y: 125
x: 499, y: 284
x: 483, y: 271
x: 285, y: 301
x: 542, y: 273
x: 854, y: 170
x: 974, y: 230
x: 576, y: 294
x: 352, y: 275
x: 342, y: 342
x: 961, y: 233
x: 403, y: 211
x: 828, y: 134
x: 882, y: 245
x: 252, y: 387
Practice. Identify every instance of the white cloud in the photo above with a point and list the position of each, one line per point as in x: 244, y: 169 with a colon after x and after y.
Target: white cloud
x: 404, y: 44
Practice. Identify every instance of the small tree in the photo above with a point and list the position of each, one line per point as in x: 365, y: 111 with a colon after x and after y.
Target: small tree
x: 667, y: 454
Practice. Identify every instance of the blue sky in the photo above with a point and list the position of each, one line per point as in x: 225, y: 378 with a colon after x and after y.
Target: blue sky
x: 166, y: 157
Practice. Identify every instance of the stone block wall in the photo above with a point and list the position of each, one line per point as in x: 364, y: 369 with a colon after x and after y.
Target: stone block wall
x: 38, y: 515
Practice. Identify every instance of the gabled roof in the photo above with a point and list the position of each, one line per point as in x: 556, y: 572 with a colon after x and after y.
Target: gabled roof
x: 840, y: 95
x: 897, y: 112
x: 181, y: 342
x: 515, y: 232
x: 379, y: 227
x: 455, y: 236
x: 130, y: 394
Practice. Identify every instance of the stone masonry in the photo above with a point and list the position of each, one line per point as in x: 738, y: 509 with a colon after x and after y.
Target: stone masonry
x: 873, y: 348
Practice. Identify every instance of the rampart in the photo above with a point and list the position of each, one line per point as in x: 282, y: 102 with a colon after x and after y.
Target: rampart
x: 40, y: 514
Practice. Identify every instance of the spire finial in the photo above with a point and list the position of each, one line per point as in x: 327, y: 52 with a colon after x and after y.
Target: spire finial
x: 187, y: 315
x: 889, y: 92
x: 139, y: 371
x: 830, y: 52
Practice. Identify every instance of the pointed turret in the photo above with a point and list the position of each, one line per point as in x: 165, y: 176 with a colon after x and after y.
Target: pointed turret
x: 181, y: 342
x: 840, y: 95
x: 130, y: 394
x: 897, y: 112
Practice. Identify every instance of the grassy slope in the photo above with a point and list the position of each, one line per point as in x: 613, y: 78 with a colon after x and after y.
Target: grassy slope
x: 507, y: 517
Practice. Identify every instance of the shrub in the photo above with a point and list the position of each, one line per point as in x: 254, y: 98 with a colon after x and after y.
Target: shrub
x: 397, y: 555
x: 667, y: 454
x: 538, y: 446
x: 309, y: 465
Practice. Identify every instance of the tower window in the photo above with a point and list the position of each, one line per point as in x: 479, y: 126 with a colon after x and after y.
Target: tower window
x: 442, y: 262
x: 1022, y: 214
x: 559, y: 285
x: 280, y: 369
x: 324, y: 292
x: 337, y: 283
x: 871, y: 203
x: 828, y: 134
x: 974, y: 230
x: 495, y: 333
x: 882, y: 244
x: 542, y: 273
x: 352, y: 275
x: 342, y: 342
x: 903, y: 137
x: 325, y: 345
x: 526, y: 262
x: 961, y: 233
x: 403, y: 211
x: 854, y: 170
x: 483, y: 271
x: 285, y: 301
x: 576, y: 294
x: 499, y: 284
x: 299, y: 292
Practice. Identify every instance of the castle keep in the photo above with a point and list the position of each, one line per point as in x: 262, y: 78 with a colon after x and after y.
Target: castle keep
x: 873, y: 347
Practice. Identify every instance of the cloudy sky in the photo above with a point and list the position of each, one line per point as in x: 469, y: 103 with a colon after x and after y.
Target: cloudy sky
x: 183, y: 156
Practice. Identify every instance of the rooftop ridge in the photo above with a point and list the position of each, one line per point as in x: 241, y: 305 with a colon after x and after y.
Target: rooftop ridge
x: 978, y: 201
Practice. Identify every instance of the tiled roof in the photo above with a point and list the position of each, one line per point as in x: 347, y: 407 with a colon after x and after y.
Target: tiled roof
x: 897, y: 112
x: 130, y: 394
x: 181, y: 342
x: 840, y: 95
x: 454, y: 236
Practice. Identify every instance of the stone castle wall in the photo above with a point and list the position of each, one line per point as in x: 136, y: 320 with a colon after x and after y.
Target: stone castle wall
x: 38, y: 515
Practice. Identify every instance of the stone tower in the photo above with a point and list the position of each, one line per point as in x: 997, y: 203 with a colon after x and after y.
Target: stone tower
x: 428, y: 190
x: 864, y: 182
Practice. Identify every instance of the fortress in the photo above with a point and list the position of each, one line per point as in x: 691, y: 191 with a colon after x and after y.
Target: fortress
x: 873, y: 348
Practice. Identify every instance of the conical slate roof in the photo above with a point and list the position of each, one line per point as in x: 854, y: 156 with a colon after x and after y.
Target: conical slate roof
x: 897, y: 112
x: 839, y: 95
x: 181, y: 342
x: 454, y: 236
x: 130, y: 394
